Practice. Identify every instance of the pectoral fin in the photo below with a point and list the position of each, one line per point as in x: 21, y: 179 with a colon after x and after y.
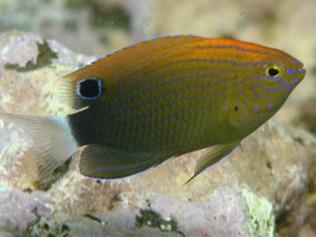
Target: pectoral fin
x: 213, y: 155
x: 109, y: 163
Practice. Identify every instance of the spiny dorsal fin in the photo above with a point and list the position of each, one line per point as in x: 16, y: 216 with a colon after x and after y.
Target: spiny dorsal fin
x: 118, y: 65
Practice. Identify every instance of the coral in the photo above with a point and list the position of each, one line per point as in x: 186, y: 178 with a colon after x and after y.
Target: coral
x: 19, y: 209
x: 261, y: 220
x: 241, y: 195
x: 152, y: 219
x: 44, y: 58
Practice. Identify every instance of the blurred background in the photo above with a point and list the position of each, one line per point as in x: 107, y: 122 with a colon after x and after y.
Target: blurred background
x: 98, y: 27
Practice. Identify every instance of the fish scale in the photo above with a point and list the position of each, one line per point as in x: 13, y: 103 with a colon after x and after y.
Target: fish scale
x: 142, y: 103
x: 180, y: 80
x: 145, y: 103
x: 191, y: 94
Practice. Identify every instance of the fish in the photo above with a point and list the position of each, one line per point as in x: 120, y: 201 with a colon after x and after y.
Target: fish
x: 161, y: 98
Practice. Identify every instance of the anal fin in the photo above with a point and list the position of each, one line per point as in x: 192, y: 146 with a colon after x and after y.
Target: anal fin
x: 109, y: 163
x: 212, y: 156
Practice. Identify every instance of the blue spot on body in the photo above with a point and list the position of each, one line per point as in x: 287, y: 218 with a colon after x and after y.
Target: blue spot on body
x: 290, y: 71
x: 278, y: 79
x: 287, y: 86
x: 270, y: 89
x: 239, y: 83
x: 270, y: 106
x: 295, y: 80
x: 257, y: 95
x: 255, y: 107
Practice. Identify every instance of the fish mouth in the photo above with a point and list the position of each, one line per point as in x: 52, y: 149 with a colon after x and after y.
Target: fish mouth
x: 302, y: 72
x: 301, y: 69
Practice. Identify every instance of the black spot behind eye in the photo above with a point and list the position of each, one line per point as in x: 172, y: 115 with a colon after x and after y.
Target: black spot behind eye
x: 236, y: 108
x: 273, y: 72
x: 89, y: 88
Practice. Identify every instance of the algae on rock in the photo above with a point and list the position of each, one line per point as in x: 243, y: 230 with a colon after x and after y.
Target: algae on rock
x: 261, y: 219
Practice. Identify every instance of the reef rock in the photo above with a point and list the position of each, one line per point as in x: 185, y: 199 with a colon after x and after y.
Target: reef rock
x: 251, y: 193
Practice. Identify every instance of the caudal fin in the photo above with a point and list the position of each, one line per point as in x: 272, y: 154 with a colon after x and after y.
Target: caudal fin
x: 53, y: 142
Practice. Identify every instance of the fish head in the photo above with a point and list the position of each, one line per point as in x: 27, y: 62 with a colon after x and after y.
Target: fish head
x: 274, y: 79
x: 280, y: 73
x: 268, y: 79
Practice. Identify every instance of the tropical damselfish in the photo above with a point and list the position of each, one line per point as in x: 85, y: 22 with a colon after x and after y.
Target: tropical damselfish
x: 162, y: 98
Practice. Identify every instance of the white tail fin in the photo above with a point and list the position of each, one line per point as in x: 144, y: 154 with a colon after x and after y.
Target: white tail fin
x: 53, y: 142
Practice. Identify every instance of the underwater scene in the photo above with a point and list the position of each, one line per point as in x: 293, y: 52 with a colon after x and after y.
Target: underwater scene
x: 149, y: 118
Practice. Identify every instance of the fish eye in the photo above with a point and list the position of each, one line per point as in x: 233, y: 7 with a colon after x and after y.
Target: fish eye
x: 274, y: 71
x: 89, y: 88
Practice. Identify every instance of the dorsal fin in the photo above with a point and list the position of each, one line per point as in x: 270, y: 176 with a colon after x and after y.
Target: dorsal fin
x: 132, y: 55
x: 116, y: 66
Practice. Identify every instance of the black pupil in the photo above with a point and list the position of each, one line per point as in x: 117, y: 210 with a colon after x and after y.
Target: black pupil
x: 273, y: 72
x: 89, y: 88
